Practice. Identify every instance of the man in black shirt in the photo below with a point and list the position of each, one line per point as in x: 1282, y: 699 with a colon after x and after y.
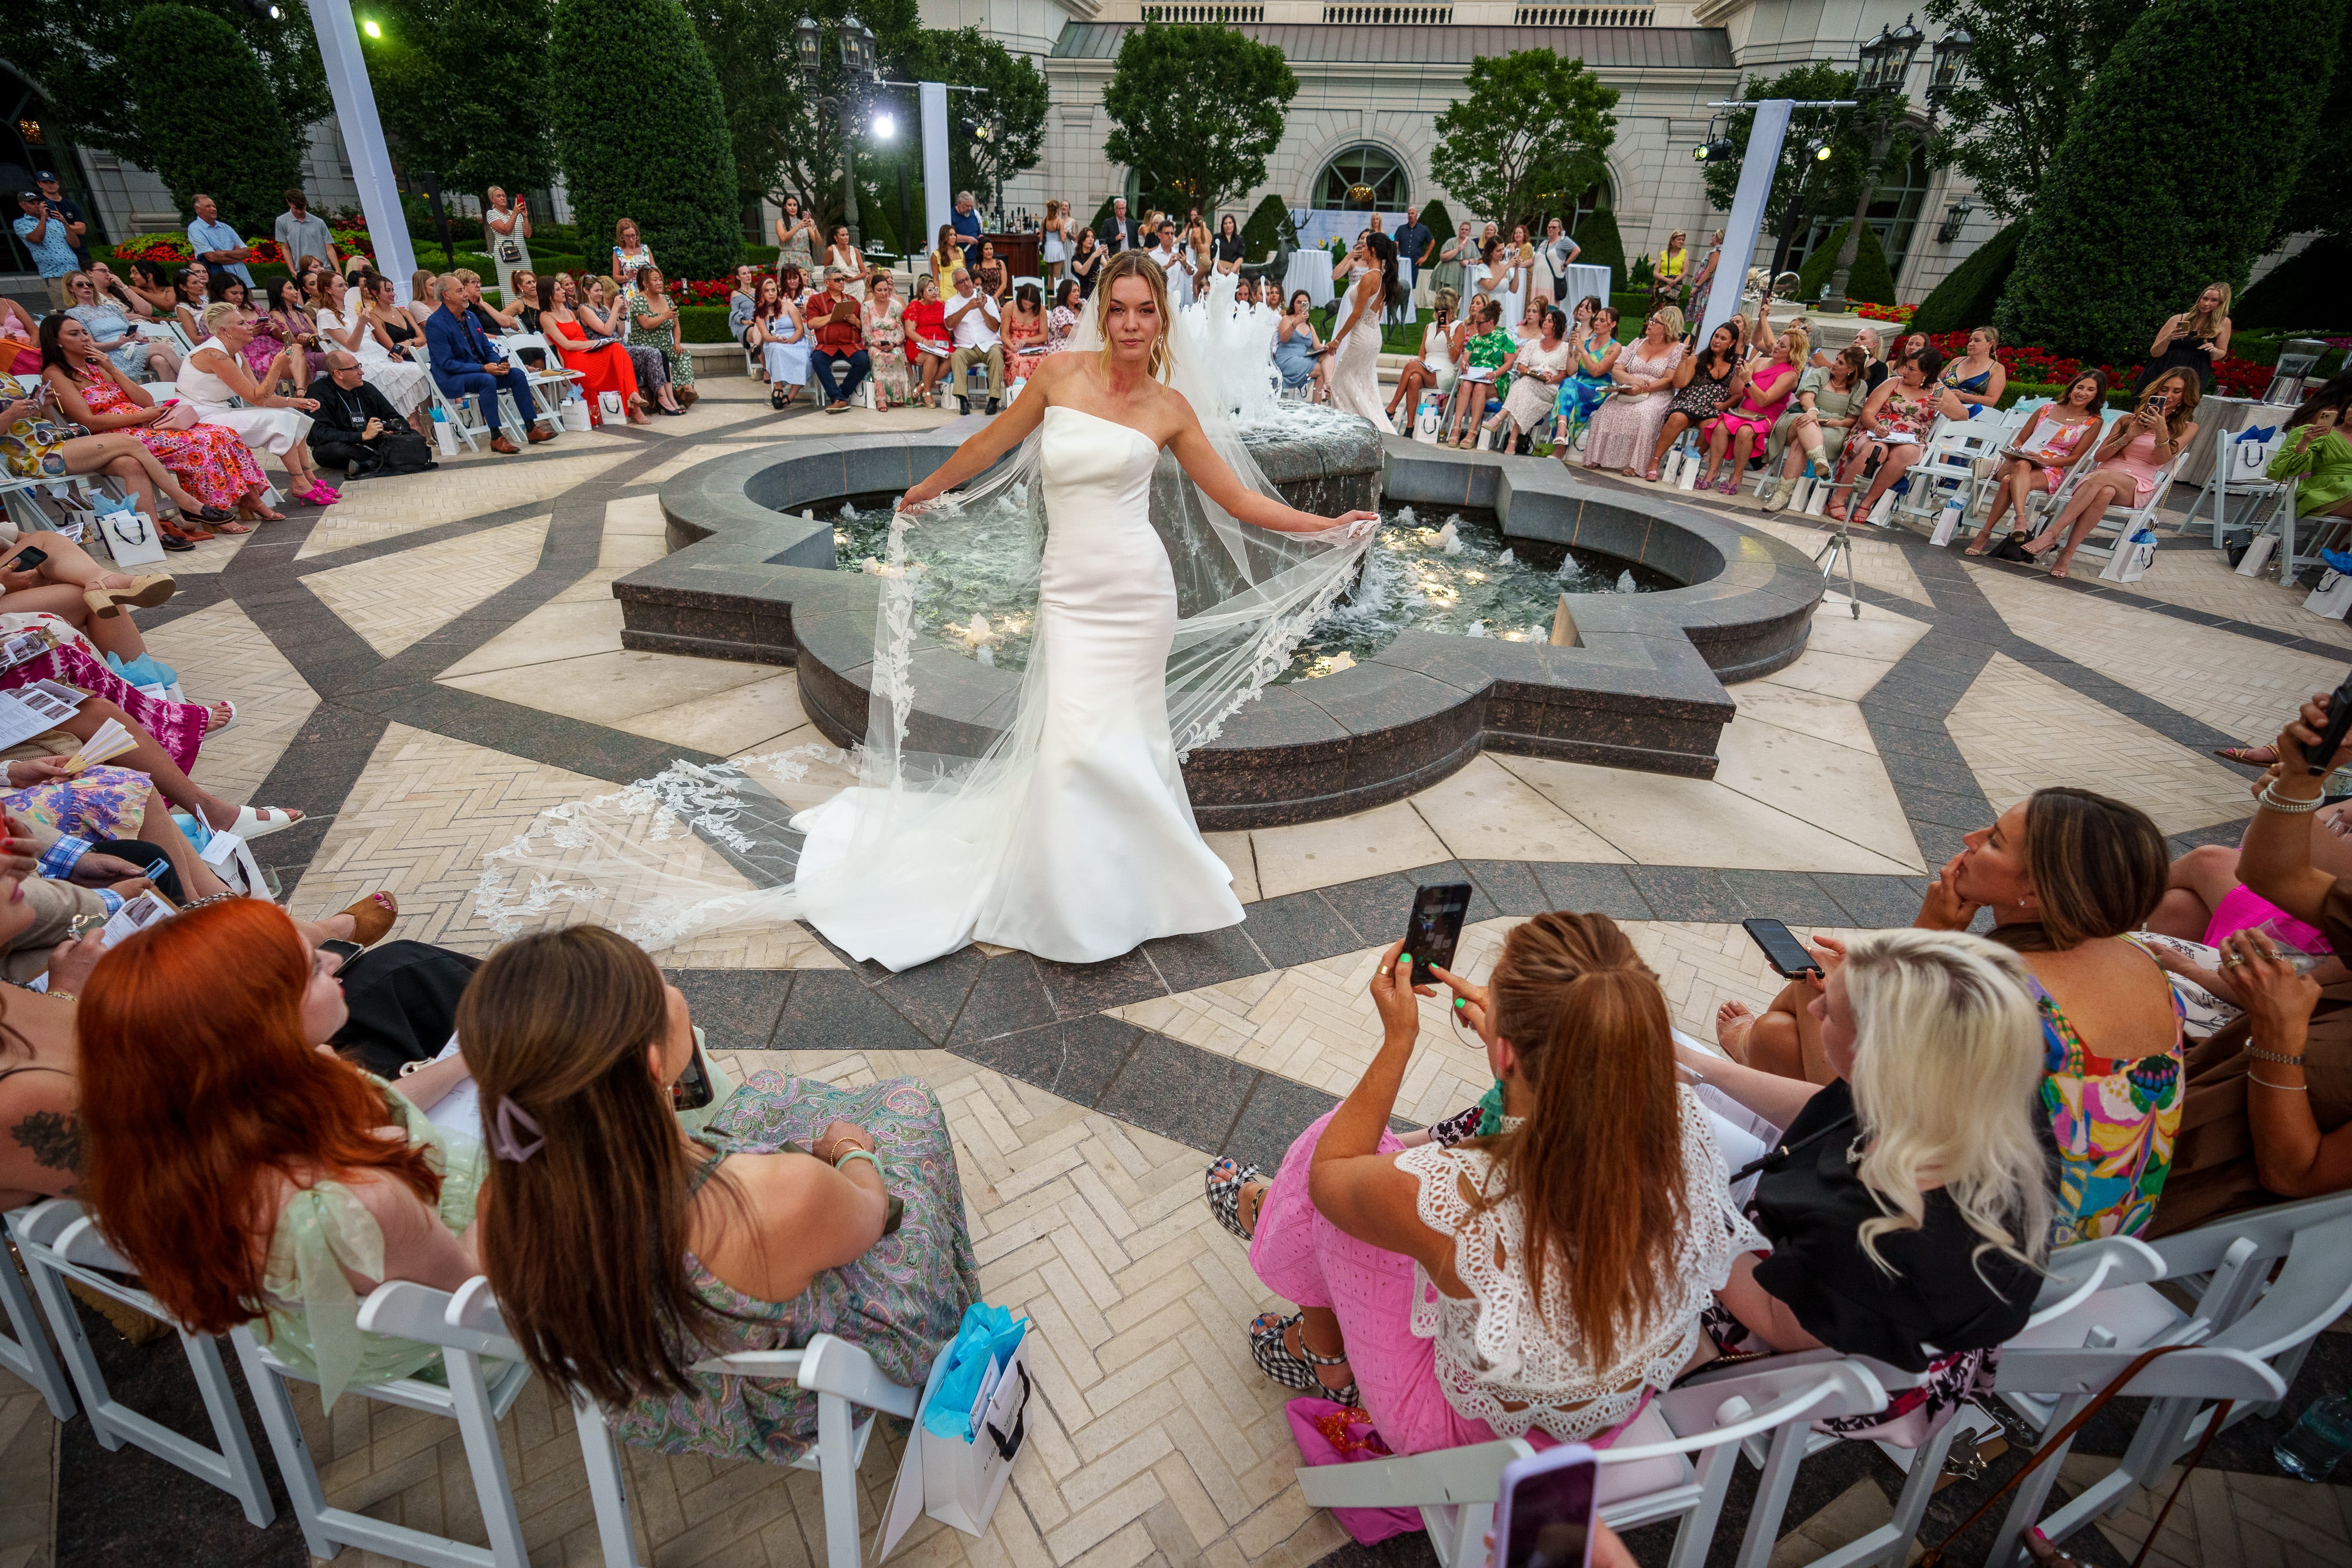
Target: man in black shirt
x: 355, y: 427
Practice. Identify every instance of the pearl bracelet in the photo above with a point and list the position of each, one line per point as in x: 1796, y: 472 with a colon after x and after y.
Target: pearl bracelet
x: 2270, y: 800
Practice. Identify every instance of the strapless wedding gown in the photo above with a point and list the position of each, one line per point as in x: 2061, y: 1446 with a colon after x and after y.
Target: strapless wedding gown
x: 1356, y: 363
x: 1087, y: 846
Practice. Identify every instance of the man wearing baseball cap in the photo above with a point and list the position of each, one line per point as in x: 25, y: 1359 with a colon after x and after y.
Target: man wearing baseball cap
x: 49, y: 241
x: 76, y: 221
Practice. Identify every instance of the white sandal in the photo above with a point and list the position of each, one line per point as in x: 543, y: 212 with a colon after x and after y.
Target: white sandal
x: 222, y: 728
x: 259, y: 822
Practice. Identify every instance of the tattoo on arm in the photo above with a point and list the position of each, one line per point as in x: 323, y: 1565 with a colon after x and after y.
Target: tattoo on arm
x: 53, y: 1138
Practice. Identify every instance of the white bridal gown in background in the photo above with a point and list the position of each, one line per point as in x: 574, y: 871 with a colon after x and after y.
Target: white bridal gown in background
x: 1356, y: 362
x: 1086, y: 846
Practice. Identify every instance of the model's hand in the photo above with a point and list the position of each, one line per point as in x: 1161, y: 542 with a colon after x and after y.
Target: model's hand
x: 920, y: 494
x: 1359, y: 523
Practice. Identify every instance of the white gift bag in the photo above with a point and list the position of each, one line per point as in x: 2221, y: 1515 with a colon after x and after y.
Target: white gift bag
x: 2130, y: 559
x: 962, y: 1481
x: 1801, y: 496
x: 131, y: 537
x: 233, y: 863
x: 1818, y: 505
x: 609, y: 404
x: 2333, y: 597
x: 1881, y: 513
x: 2258, y: 555
x: 1948, y: 523
x: 1427, y: 417
x: 575, y: 414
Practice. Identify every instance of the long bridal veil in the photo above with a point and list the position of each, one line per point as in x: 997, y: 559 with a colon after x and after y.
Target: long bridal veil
x: 934, y: 791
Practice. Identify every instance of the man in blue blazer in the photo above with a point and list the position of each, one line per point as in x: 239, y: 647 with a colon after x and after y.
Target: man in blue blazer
x: 464, y: 361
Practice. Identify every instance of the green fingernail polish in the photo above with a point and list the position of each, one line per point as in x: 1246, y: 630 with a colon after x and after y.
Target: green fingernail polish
x: 1404, y: 957
x: 1461, y: 1002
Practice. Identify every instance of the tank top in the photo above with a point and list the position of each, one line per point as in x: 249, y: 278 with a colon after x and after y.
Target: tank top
x: 199, y: 385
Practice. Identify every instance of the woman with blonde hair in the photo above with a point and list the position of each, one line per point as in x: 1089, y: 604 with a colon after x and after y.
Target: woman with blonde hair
x: 2191, y: 340
x: 1909, y: 1203
x: 1588, y: 1231
x: 624, y: 1248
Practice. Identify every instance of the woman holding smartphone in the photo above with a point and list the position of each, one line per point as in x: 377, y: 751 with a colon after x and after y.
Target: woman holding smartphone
x: 2038, y: 461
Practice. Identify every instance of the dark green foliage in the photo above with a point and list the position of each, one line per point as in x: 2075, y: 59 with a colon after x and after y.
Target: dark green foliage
x: 2321, y: 197
x: 2029, y: 69
x: 1439, y: 221
x: 1014, y: 107
x: 1601, y: 244
x: 1102, y: 215
x: 641, y: 132
x: 1970, y: 293
x: 703, y: 324
x: 206, y: 113
x: 2157, y: 192
x: 1823, y: 187
x: 2305, y: 291
x: 1870, y: 280
x: 1530, y: 134
x: 78, y: 50
x: 1195, y: 109
x: 1269, y: 229
x: 463, y: 90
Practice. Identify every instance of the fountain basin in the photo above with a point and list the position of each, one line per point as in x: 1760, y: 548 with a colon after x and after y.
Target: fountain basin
x: 1644, y: 688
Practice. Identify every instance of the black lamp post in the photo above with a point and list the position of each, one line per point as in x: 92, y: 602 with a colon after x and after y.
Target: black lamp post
x: 857, y: 62
x: 1885, y: 66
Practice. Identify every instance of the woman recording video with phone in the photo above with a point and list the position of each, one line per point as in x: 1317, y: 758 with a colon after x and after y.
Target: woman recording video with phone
x: 2137, y: 450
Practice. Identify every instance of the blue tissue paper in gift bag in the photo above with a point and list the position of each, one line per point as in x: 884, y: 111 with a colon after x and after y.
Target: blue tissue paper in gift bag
x: 988, y: 1335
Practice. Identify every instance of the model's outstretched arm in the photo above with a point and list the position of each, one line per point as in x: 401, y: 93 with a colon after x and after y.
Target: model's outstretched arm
x: 1222, y: 484
x: 980, y: 450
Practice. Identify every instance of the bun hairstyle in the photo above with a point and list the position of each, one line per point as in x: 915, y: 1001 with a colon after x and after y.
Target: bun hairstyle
x: 1597, y: 1168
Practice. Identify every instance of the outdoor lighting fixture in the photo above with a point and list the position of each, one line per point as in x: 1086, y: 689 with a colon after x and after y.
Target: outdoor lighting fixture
x: 1954, y: 216
x: 1714, y: 152
x: 1886, y: 59
x: 370, y: 29
x: 810, y: 43
x: 1821, y: 149
x: 1946, y: 62
x: 857, y: 47
x: 976, y: 130
x: 886, y: 125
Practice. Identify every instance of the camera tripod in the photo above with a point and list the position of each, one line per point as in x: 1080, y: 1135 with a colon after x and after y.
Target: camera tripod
x: 1839, y: 545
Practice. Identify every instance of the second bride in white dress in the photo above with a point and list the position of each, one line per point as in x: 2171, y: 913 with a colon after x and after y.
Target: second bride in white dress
x: 1070, y: 835
x: 1356, y: 363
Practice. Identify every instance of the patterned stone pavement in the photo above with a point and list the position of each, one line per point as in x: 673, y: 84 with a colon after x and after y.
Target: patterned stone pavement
x: 427, y: 665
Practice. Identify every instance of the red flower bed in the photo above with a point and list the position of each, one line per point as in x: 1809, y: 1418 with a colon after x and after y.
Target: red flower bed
x: 173, y: 251
x: 1900, y: 314
x: 2233, y: 377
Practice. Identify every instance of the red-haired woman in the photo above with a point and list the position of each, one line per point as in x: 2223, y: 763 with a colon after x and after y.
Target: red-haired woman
x: 1586, y: 1231
x: 244, y: 1172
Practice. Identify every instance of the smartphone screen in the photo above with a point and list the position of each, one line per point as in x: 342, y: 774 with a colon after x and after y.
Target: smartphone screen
x: 1435, y: 928
x: 2339, y: 723
x: 1547, y: 1514
x: 692, y: 1091
x: 28, y: 558
x: 1788, y: 957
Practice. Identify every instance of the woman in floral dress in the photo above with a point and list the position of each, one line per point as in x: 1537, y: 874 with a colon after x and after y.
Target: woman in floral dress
x: 885, y: 342
x: 652, y: 324
x: 210, y: 460
x: 800, y: 1209
x: 1024, y: 334
x: 1625, y: 426
x: 1488, y: 347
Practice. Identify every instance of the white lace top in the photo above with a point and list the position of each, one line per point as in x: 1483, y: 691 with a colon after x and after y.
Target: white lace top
x: 1497, y: 1362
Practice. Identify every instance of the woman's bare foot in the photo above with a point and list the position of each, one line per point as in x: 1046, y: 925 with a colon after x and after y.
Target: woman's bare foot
x: 1734, y: 1021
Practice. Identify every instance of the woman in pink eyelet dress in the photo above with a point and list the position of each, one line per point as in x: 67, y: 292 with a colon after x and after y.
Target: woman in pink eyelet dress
x: 1430, y: 1292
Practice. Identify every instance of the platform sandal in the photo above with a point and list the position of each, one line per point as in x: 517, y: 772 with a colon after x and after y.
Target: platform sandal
x: 1295, y: 1369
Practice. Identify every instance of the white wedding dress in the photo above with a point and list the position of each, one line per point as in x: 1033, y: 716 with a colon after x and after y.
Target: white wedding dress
x: 1088, y: 847
x: 1356, y: 363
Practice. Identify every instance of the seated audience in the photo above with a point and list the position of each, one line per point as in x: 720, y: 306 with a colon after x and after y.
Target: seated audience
x: 348, y: 323
x: 927, y: 344
x: 1488, y: 345
x: 404, y: 331
x: 603, y: 365
x: 39, y: 447
x: 974, y: 320
x: 268, y: 358
x: 152, y: 283
x: 1593, y: 355
x: 837, y: 335
x: 1537, y: 369
x: 1590, y: 1234
x: 294, y: 322
x: 2039, y: 459
x: 624, y: 1248
x: 237, y: 1168
x: 652, y: 324
x: 2270, y: 1094
x: 1296, y: 349
x: 1024, y: 333
x: 466, y: 363
x: 1976, y: 380
x: 1433, y: 369
x: 2139, y: 448
x: 2320, y: 455
x: 191, y: 292
x: 20, y: 351
x: 779, y: 337
x: 358, y: 429
x: 886, y: 340
x: 210, y: 461
x: 214, y: 380
x: 740, y: 303
x: 1705, y: 384
x: 114, y: 330
x: 602, y: 313
x: 1828, y: 404
x: 1908, y: 1204
x: 1891, y: 432
x: 1746, y: 424
x: 1070, y: 305
x: 844, y: 261
x: 1625, y: 426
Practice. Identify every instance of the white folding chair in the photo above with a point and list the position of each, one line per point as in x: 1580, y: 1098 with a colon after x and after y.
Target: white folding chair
x: 59, y: 1242
x: 548, y: 387
x: 471, y: 428
x: 839, y: 1373
x: 1646, y: 1476
x: 1947, y: 464
x: 25, y: 1348
x: 476, y: 1395
x: 2240, y: 469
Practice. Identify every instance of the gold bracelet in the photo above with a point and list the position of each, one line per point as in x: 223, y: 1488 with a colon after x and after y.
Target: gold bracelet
x: 2289, y: 1088
x: 62, y: 996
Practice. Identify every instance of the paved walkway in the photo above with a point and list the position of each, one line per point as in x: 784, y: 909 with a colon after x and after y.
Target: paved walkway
x: 427, y: 665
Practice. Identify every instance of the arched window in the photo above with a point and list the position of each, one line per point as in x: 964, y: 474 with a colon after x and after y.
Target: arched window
x: 1591, y: 202
x: 1362, y: 178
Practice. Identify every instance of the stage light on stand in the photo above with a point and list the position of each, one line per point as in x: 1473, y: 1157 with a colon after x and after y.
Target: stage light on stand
x: 372, y: 29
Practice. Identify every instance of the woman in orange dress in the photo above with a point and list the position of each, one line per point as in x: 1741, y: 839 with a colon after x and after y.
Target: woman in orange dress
x: 605, y: 368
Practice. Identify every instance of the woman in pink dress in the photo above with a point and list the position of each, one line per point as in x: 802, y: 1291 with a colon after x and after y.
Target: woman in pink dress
x: 1626, y: 426
x: 210, y: 460
x: 1444, y: 1288
x: 1024, y: 333
x: 2039, y: 460
x: 2132, y: 460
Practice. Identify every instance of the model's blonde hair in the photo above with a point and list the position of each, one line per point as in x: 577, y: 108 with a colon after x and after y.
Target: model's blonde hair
x: 1135, y: 263
x: 1948, y: 1060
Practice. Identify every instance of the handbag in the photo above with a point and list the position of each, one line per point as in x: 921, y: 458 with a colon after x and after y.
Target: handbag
x: 509, y: 252
x: 179, y: 413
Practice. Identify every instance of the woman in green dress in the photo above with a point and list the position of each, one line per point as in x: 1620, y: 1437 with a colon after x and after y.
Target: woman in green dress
x: 652, y: 324
x: 801, y: 1210
x: 1491, y: 343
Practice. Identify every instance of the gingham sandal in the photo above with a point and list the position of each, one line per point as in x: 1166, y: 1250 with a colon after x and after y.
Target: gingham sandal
x: 1225, y: 1194
x: 1295, y: 1369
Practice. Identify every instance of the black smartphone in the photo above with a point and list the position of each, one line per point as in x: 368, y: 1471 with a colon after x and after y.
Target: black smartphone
x: 1788, y: 957
x: 2339, y: 723
x: 1435, y: 928
x: 28, y: 558
x: 692, y: 1091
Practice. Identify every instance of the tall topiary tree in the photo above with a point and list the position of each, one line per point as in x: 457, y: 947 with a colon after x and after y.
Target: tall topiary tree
x: 1872, y: 279
x: 463, y: 88
x: 2155, y: 194
x: 1600, y: 243
x: 1970, y: 293
x: 207, y: 117
x: 641, y: 131
x: 1269, y: 228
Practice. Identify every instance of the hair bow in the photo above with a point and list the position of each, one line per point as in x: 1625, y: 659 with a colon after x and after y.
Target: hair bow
x: 503, y: 1140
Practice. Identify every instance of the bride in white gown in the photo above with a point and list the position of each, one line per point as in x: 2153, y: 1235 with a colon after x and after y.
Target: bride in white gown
x: 1070, y: 835
x: 1356, y: 365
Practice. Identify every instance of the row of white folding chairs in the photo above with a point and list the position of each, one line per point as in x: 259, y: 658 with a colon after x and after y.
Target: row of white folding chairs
x: 485, y: 1374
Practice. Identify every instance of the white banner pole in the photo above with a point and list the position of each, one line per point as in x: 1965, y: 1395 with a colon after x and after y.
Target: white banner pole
x: 347, y: 79
x: 938, y: 191
x: 1757, y: 167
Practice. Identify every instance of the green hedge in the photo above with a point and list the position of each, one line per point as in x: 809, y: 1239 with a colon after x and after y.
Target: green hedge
x: 1870, y: 280
x: 1970, y: 293
x: 206, y: 110
x: 1602, y: 244
x: 1269, y: 229
x: 1634, y: 308
x: 1439, y: 221
x: 704, y: 324
x: 642, y: 131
